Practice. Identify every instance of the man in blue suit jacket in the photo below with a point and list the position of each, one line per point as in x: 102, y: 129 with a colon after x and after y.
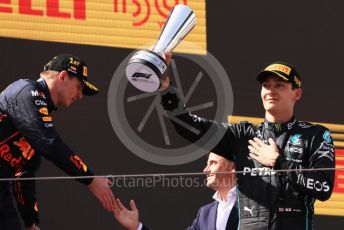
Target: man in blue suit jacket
x: 221, y: 214
x: 206, y: 218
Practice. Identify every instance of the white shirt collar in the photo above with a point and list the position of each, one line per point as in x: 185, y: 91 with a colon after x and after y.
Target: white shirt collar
x: 231, y: 195
x: 224, y: 208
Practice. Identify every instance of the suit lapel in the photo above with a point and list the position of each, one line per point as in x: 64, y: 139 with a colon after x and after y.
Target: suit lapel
x: 212, y: 216
x: 233, y: 219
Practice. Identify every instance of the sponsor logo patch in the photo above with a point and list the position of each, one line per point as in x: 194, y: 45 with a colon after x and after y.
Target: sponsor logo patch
x: 262, y: 171
x: 84, y: 71
x: 36, y: 93
x: 296, y: 139
x: 78, y: 162
x: 304, y: 126
x: 142, y: 75
x: 48, y: 125
x: 327, y: 136
x: 48, y: 118
x: 44, y: 111
x: 312, y: 184
x: 6, y: 155
x: 25, y: 148
x: 40, y: 103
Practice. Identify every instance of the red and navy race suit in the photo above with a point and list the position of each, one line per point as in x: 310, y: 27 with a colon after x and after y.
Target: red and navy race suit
x: 266, y: 199
x: 26, y: 133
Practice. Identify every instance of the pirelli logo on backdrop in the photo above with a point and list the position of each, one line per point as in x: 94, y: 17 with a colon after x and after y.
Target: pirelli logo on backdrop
x: 115, y: 23
x: 335, y: 205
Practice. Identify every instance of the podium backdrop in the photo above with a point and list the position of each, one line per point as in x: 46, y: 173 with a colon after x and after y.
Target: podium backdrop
x: 244, y: 36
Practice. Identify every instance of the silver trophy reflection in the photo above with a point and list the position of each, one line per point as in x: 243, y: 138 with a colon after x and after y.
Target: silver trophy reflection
x: 146, y: 67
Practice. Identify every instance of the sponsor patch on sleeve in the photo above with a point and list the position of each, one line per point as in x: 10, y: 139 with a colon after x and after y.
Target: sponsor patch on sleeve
x: 78, y: 162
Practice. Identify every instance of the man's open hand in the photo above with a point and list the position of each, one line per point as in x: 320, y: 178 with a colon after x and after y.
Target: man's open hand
x: 263, y: 153
x: 101, y: 190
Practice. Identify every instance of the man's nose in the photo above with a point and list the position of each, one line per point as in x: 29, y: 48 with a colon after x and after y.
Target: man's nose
x: 206, y: 170
x: 270, y: 90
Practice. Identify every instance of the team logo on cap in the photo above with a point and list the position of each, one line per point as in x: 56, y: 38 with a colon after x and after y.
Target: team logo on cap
x: 89, y: 85
x: 279, y: 67
x: 74, y: 62
x: 297, y: 81
x: 72, y: 68
x: 84, y: 71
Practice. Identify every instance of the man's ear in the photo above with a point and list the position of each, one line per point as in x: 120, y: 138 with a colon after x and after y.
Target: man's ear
x: 298, y: 94
x: 62, y: 75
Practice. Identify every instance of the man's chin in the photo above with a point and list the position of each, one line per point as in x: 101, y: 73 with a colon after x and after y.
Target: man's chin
x: 69, y: 103
x: 65, y: 105
x: 271, y: 108
x: 211, y: 185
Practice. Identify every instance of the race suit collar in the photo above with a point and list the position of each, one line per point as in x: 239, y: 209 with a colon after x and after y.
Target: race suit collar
x: 280, y: 127
x: 50, y: 102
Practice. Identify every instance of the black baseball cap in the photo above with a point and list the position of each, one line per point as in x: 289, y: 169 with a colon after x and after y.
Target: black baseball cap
x: 74, y: 66
x: 282, y: 70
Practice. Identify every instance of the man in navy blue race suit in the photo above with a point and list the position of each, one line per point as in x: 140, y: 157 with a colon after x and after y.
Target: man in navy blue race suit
x: 27, y: 133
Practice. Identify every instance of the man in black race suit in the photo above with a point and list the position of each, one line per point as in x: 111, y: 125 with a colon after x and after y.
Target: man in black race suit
x: 27, y: 132
x: 268, y: 199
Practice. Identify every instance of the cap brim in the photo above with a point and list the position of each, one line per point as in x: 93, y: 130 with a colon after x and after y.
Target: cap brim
x: 89, y: 89
x: 265, y: 73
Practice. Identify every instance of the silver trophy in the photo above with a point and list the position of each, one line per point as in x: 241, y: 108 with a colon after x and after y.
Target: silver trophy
x: 146, y: 67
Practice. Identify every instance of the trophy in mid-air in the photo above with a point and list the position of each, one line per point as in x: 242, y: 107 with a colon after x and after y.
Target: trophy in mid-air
x: 146, y: 68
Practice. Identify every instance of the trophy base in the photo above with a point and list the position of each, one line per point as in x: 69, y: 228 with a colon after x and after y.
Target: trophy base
x: 145, y: 69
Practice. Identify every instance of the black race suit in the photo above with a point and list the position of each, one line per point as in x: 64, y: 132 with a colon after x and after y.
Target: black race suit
x: 270, y: 200
x: 26, y: 133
